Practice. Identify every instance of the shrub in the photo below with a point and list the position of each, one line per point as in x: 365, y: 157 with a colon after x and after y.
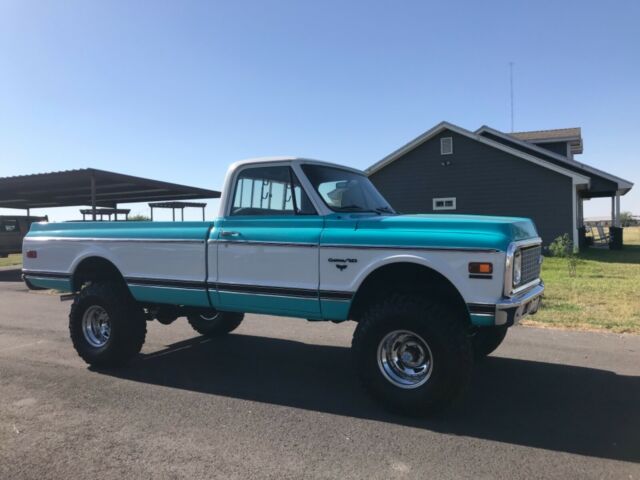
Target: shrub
x: 562, y: 247
x: 138, y: 218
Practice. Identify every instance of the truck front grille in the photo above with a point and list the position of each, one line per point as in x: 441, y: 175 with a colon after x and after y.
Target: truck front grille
x: 530, y: 263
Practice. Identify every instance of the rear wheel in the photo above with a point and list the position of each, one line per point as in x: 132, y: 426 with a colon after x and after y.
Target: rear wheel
x: 214, y: 323
x: 106, y: 326
x: 487, y: 339
x: 412, y: 354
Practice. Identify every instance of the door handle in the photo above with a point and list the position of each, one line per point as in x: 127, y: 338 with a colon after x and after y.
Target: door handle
x: 228, y: 233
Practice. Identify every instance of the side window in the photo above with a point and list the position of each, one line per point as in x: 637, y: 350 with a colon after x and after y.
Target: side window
x: 269, y: 191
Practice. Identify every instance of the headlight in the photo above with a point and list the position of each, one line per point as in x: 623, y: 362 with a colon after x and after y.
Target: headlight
x: 517, y: 268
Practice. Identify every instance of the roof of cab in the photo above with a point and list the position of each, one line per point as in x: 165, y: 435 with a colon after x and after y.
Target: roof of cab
x: 298, y: 160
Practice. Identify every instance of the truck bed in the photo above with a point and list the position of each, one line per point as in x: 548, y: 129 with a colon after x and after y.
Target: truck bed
x: 146, y: 253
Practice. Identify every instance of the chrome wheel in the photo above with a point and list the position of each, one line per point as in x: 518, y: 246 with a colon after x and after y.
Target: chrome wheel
x: 96, y: 326
x: 209, y: 317
x: 405, y: 359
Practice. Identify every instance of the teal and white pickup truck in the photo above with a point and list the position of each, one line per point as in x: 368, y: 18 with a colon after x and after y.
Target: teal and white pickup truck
x: 308, y: 239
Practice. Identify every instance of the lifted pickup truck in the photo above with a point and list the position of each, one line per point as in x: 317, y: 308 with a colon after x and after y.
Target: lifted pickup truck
x: 308, y: 239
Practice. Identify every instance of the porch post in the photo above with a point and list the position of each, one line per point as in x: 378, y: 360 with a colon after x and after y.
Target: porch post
x: 613, y: 211
x: 574, y: 220
x: 617, y: 209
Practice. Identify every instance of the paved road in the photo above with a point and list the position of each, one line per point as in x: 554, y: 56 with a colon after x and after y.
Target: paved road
x: 279, y: 400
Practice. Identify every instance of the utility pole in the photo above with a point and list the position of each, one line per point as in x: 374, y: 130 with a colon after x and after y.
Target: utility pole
x: 511, y: 85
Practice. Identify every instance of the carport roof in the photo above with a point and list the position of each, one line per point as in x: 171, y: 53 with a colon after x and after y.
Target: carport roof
x: 75, y: 187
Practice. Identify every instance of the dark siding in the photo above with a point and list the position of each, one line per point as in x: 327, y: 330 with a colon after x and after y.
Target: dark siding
x: 556, y: 147
x: 599, y: 185
x: 483, y: 179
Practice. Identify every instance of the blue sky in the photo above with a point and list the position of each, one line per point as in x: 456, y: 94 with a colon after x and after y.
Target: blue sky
x: 178, y: 90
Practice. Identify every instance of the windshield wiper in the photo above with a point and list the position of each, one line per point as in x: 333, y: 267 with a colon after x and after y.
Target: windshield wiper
x: 353, y: 208
x: 384, y: 210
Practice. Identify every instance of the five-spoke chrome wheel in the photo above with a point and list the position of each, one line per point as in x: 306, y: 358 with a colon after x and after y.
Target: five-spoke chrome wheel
x: 96, y: 326
x: 405, y: 359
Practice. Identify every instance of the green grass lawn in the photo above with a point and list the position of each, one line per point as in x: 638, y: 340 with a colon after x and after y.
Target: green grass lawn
x: 604, y: 294
x: 11, y: 260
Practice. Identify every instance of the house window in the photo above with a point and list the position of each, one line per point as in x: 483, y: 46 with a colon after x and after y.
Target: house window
x: 444, y: 203
x: 446, y: 146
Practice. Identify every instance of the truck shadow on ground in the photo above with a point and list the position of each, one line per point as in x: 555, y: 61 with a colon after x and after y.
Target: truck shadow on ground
x: 543, y: 405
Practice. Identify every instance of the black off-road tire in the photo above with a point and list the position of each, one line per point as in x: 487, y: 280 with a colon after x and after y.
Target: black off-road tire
x: 215, y: 324
x: 487, y: 339
x: 446, y: 335
x: 128, y: 325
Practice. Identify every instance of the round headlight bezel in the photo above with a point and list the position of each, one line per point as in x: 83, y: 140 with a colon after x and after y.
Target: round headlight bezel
x: 517, y: 268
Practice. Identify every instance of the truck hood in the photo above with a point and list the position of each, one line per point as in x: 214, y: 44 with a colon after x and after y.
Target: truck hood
x: 462, y: 231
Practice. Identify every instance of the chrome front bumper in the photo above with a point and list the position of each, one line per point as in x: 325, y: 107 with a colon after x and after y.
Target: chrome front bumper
x: 511, y: 310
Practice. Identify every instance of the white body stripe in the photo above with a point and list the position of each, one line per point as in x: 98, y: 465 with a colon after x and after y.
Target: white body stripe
x: 163, y: 260
x: 290, y: 266
x: 453, y: 265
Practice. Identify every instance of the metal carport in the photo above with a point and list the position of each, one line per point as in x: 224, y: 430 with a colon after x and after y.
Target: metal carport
x: 92, y: 187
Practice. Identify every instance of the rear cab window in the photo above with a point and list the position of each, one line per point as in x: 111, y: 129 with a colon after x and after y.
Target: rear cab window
x: 269, y: 191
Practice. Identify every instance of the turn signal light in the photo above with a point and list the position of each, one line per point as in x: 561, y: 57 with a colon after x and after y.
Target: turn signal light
x: 32, y: 254
x: 481, y: 267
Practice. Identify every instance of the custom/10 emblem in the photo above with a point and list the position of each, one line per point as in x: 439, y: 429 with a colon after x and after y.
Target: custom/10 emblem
x: 342, y: 263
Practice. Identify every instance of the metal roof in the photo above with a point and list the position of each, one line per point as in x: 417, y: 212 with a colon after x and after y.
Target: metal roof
x: 550, y: 135
x: 74, y: 188
x: 178, y: 205
x: 573, y: 136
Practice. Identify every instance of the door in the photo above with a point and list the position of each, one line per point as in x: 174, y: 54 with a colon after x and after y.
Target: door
x: 268, y: 246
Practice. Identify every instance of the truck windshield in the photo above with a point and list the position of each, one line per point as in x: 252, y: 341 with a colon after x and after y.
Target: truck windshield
x: 346, y: 191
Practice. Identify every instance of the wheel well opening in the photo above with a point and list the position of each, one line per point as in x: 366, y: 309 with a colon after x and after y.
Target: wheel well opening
x: 406, y: 278
x: 95, y: 269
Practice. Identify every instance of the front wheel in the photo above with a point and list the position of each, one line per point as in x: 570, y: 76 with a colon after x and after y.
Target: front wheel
x: 487, y: 339
x: 413, y: 355
x: 214, y: 323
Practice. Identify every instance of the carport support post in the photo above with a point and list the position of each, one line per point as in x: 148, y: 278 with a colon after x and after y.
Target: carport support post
x: 617, y: 209
x: 93, y: 197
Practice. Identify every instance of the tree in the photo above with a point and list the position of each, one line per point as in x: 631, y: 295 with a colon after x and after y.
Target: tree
x: 626, y: 219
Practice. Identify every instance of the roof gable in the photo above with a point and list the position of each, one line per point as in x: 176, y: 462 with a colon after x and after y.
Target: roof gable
x: 578, y: 179
x: 624, y: 185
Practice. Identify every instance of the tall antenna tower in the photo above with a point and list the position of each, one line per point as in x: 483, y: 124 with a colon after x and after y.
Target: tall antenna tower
x: 511, y: 91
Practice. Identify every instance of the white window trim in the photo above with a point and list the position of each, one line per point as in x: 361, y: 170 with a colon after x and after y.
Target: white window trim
x: 442, y: 152
x: 444, y: 199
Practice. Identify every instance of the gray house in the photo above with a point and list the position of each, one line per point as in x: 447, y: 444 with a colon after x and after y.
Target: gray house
x: 530, y: 174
